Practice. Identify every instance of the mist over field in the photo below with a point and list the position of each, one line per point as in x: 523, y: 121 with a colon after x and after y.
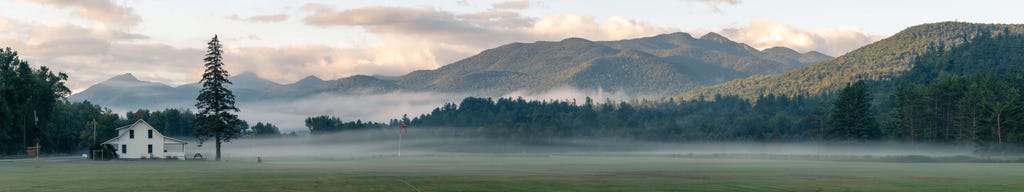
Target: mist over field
x: 377, y: 143
x: 288, y: 114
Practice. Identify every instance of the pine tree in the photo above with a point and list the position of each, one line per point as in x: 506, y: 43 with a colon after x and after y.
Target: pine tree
x: 216, y: 103
x: 851, y: 119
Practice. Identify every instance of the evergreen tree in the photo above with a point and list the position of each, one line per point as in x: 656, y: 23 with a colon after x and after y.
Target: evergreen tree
x: 851, y: 119
x: 216, y: 103
x: 266, y: 130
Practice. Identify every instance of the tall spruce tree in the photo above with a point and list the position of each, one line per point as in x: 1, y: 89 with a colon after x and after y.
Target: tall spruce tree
x: 851, y: 119
x: 216, y: 103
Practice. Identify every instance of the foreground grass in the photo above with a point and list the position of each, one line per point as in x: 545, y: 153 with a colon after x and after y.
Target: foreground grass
x: 511, y: 173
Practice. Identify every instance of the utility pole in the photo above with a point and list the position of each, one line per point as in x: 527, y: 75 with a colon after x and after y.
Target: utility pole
x: 24, y: 135
x: 37, y: 154
x: 93, y: 131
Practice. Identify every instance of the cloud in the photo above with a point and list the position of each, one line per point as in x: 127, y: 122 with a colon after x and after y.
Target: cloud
x: 260, y: 18
x: 612, y: 28
x: 437, y: 37
x: 96, y: 53
x: 105, y: 12
x: 835, y: 41
x: 716, y: 5
x: 406, y: 39
x: 515, y: 5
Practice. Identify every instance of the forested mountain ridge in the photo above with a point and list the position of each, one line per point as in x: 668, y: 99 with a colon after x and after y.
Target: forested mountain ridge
x: 885, y: 59
x: 716, y: 50
x: 662, y: 64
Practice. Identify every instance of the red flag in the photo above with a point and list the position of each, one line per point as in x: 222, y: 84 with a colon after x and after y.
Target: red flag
x: 404, y: 129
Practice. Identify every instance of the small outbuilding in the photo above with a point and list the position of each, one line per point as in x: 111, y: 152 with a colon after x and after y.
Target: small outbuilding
x: 141, y: 141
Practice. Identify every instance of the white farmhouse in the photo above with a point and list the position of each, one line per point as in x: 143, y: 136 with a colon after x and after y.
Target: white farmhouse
x: 140, y: 140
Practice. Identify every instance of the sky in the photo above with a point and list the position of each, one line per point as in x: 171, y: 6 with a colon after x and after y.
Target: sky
x: 284, y: 41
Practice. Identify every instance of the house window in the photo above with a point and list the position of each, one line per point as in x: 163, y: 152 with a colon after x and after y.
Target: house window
x: 150, y: 148
x: 131, y: 134
x: 150, y: 133
x: 124, y: 148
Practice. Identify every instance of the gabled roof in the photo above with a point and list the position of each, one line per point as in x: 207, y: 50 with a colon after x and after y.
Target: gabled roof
x: 133, y: 124
x: 137, y: 122
x: 111, y: 139
x: 119, y: 130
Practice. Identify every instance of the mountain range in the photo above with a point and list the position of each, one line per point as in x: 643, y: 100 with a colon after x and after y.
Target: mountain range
x: 664, y: 65
x: 882, y: 60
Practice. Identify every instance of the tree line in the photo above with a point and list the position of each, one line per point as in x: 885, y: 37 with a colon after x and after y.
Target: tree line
x: 771, y: 118
x: 328, y: 124
x: 28, y: 97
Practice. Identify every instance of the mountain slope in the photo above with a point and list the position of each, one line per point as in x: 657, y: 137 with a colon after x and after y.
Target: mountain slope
x: 639, y: 70
x: 881, y: 60
x: 360, y: 84
x: 715, y: 50
x: 307, y: 84
x: 127, y: 90
x: 517, y: 64
x: 663, y: 64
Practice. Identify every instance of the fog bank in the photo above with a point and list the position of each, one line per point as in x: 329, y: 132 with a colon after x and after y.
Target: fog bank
x: 437, y: 141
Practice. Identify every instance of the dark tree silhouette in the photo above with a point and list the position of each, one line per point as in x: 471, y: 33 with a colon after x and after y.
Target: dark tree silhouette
x: 216, y: 103
x: 852, y: 118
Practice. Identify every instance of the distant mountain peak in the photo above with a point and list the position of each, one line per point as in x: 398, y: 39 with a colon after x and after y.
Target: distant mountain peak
x: 712, y: 36
x: 676, y: 35
x: 781, y: 50
x: 124, y: 77
x: 575, y: 40
x: 311, y: 78
x: 815, y: 53
x: 361, y: 77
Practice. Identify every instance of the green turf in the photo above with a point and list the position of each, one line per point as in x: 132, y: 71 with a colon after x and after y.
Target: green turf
x: 511, y: 173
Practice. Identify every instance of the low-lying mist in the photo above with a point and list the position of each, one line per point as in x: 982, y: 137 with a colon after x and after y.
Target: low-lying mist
x: 289, y: 114
x: 451, y: 141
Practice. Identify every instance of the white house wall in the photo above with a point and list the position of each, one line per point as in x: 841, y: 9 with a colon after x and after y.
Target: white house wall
x: 137, y: 147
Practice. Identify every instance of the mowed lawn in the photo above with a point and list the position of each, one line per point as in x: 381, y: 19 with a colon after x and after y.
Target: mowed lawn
x: 511, y: 173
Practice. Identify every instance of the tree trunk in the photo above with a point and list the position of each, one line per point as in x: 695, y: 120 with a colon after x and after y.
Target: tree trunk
x: 999, y: 128
x: 974, y: 123
x: 913, y: 134
x: 218, y: 146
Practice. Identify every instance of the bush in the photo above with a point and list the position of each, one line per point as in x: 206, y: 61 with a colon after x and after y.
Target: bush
x: 102, y: 152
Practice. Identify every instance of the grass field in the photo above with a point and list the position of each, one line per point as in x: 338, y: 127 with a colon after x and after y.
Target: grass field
x: 511, y: 173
